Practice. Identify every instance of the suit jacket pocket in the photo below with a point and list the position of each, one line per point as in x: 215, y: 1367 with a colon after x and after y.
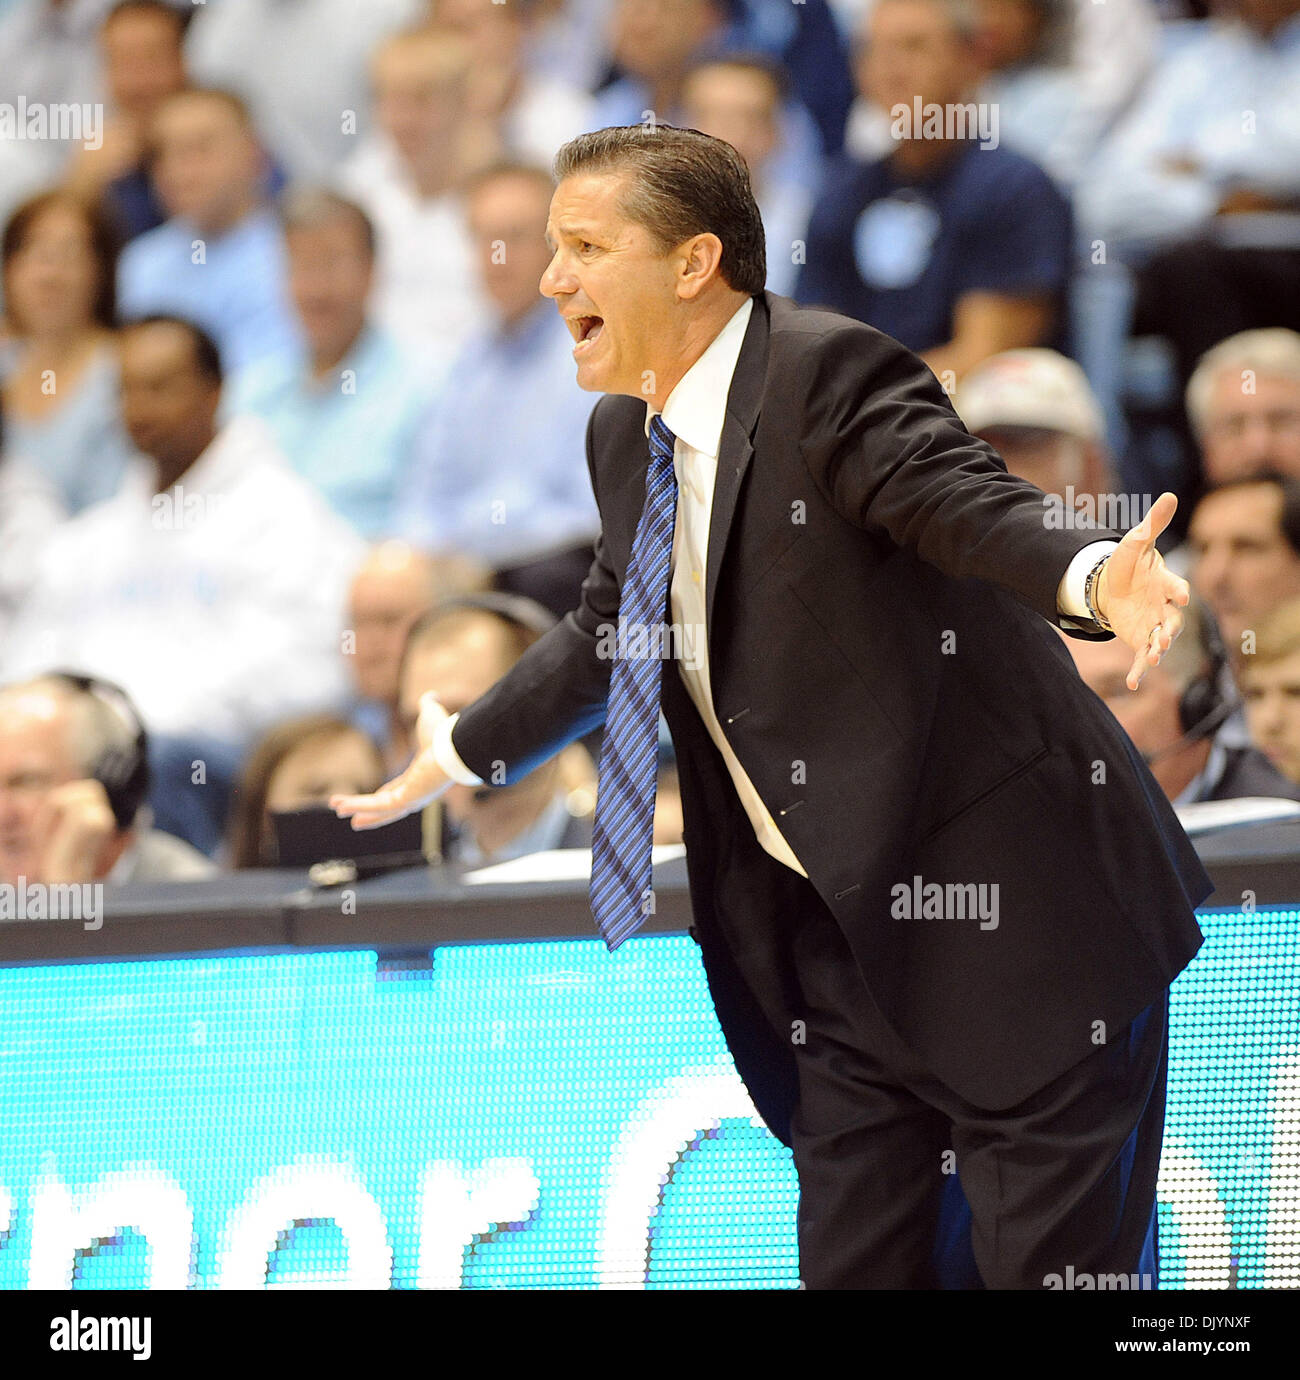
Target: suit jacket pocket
x: 983, y: 795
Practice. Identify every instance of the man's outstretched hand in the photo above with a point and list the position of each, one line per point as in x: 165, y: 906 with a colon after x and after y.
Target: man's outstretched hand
x: 1139, y: 596
x: 424, y: 780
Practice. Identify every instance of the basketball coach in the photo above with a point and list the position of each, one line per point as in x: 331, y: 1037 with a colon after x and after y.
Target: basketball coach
x: 939, y: 897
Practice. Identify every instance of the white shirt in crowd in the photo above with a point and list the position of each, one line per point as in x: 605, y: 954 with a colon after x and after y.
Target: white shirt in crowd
x: 426, y: 280
x: 218, y: 606
x: 30, y: 512
x: 694, y: 412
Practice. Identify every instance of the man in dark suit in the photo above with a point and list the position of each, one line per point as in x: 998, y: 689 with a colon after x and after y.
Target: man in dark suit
x: 938, y: 895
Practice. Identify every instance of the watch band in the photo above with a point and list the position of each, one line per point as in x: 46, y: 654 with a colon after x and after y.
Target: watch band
x: 1089, y: 584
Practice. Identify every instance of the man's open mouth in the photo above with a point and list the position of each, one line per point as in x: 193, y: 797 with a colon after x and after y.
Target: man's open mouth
x: 586, y: 328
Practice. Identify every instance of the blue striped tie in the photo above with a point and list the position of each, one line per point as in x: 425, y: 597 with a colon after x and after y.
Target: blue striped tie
x: 623, y: 829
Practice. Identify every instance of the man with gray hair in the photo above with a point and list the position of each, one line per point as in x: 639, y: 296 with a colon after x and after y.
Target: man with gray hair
x: 344, y: 409
x: 73, y: 778
x: 1243, y: 401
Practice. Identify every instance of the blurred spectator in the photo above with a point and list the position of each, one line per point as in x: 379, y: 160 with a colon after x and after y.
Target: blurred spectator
x: 459, y: 653
x: 220, y: 259
x: 407, y: 177
x: 499, y: 469
x: 1270, y: 686
x: 344, y: 412
x: 1177, y: 716
x: 296, y: 765
x: 654, y: 44
x: 301, y: 67
x: 1244, y: 405
x: 394, y: 585
x: 953, y: 245
x: 1034, y: 407
x: 74, y: 772
x: 212, y: 584
x: 60, y: 361
x: 1244, y: 544
x: 1059, y: 71
x: 48, y: 58
x: 30, y: 510
x: 511, y: 111
x: 739, y: 99
x: 142, y: 43
x: 1214, y: 130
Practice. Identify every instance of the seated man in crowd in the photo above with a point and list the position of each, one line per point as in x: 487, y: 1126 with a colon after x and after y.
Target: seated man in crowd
x: 739, y: 99
x: 458, y: 651
x: 1034, y: 407
x: 142, y: 47
x: 219, y: 260
x: 1270, y: 687
x: 393, y: 587
x: 407, y: 176
x: 1243, y: 401
x: 1243, y: 544
x: 1178, y: 718
x: 345, y: 409
x: 951, y: 243
x: 74, y: 773
x: 211, y: 586
x: 499, y: 470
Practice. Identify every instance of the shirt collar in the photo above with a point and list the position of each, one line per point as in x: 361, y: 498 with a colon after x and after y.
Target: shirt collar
x: 1200, y: 786
x: 697, y: 406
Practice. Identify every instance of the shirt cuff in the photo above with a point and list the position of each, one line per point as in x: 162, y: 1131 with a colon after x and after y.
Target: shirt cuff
x: 1069, y: 594
x: 448, y: 758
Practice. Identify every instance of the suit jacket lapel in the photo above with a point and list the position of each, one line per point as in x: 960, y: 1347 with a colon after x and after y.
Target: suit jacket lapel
x: 735, y: 450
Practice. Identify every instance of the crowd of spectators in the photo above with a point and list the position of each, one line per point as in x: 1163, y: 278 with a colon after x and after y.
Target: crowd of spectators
x: 290, y: 438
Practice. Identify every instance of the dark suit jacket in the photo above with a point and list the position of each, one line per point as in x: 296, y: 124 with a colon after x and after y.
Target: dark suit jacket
x: 877, y: 590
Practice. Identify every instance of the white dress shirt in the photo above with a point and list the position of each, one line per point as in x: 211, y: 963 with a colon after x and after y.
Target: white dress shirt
x: 694, y: 412
x: 218, y: 606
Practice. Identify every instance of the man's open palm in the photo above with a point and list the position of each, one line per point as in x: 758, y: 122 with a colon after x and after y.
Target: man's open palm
x: 1140, y: 597
x: 423, y: 781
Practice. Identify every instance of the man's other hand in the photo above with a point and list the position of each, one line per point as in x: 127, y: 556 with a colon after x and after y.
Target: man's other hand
x: 424, y: 780
x: 1139, y: 596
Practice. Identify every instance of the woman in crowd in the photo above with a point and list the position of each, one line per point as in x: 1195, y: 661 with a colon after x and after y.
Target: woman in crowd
x: 59, y: 360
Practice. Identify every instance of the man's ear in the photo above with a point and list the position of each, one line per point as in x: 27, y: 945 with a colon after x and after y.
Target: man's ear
x: 700, y: 264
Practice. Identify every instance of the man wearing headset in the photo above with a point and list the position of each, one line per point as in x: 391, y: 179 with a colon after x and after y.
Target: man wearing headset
x: 1183, y: 717
x: 74, y: 773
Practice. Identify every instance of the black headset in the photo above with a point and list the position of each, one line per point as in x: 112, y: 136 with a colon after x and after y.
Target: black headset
x: 123, y: 772
x: 1210, y: 698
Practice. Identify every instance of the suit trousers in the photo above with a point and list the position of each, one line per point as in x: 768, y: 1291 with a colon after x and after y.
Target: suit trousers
x: 902, y: 1183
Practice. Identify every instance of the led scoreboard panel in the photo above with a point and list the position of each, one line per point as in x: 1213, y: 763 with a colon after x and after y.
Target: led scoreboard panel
x: 537, y: 1114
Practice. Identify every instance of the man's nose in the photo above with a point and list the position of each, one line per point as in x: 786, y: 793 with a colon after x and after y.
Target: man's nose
x: 556, y: 278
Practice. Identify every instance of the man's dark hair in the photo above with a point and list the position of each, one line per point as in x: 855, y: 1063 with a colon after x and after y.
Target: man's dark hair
x: 207, y: 358
x: 680, y: 183
x: 1286, y: 485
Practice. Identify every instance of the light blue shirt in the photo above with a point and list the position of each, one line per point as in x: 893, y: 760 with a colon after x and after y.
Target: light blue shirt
x: 1228, y: 100
x: 349, y: 434
x: 80, y: 447
x: 237, y: 292
x: 499, y: 469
